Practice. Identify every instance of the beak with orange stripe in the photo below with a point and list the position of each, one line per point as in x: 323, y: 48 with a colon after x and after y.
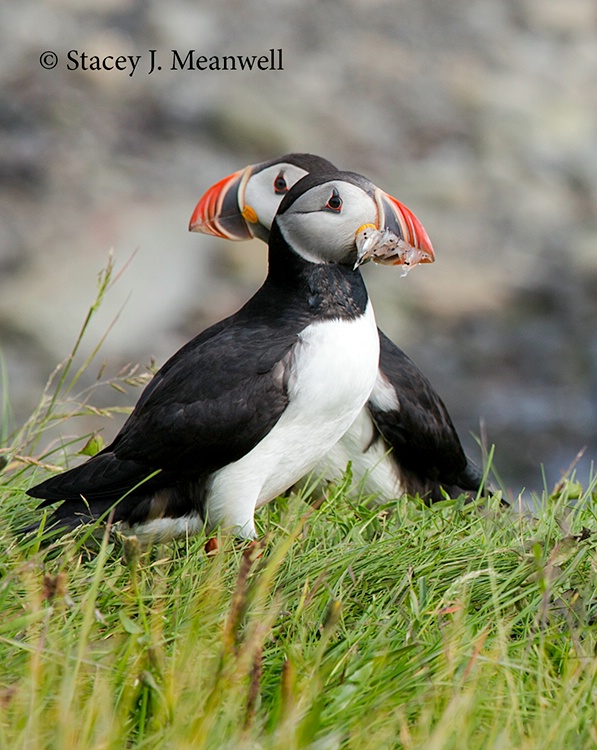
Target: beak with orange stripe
x: 220, y: 211
x: 399, y: 238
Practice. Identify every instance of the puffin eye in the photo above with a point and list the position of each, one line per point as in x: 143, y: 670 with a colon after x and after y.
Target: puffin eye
x: 280, y: 185
x: 335, y: 202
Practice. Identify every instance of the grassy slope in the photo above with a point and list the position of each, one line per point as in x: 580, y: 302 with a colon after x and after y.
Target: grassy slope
x: 356, y: 627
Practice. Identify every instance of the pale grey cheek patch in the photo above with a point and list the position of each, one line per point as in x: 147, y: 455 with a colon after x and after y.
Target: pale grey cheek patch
x: 293, y: 233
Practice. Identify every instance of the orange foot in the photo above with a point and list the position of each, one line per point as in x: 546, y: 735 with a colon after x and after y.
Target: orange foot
x: 253, y: 549
x: 211, y: 546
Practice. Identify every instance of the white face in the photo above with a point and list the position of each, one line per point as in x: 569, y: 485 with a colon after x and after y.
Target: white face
x: 265, y: 189
x: 322, y: 223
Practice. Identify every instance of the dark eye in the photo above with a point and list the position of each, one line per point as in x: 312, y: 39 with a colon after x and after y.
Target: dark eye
x: 280, y: 185
x: 335, y: 202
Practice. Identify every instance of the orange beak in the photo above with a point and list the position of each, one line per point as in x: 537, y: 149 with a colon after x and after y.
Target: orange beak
x: 219, y: 213
x: 396, y: 217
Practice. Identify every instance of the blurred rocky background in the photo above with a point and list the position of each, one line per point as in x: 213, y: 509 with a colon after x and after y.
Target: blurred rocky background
x: 481, y: 115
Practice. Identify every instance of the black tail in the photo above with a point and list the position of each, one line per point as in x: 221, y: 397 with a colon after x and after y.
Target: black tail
x: 69, y: 515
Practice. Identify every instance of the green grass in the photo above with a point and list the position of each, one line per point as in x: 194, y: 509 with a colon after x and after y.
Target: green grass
x: 352, y: 626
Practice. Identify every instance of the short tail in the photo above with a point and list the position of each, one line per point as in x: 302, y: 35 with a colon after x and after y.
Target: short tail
x: 68, y: 516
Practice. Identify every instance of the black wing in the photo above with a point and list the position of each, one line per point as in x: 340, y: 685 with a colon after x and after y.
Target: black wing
x: 423, y: 438
x: 210, y: 404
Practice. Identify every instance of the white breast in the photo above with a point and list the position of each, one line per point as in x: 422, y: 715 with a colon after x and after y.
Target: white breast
x: 384, y: 394
x: 374, y: 471
x: 334, y: 369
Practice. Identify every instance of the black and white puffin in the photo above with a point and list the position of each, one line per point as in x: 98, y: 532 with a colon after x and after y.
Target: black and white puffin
x: 404, y: 440
x: 248, y: 407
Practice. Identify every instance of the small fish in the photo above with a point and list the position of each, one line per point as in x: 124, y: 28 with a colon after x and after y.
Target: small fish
x: 386, y: 248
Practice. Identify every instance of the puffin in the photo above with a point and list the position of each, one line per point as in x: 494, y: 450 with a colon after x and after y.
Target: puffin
x: 403, y: 440
x: 245, y: 409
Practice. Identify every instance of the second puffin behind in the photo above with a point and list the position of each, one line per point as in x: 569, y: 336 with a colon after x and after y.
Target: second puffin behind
x: 404, y: 440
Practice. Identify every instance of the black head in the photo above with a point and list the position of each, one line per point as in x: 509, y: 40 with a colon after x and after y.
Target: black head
x: 243, y: 205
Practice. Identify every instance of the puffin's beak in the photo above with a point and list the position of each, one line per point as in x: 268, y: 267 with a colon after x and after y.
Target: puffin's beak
x: 219, y: 213
x: 400, y: 220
